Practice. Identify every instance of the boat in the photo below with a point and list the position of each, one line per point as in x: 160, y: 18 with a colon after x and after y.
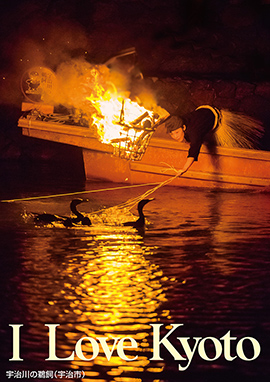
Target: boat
x: 121, y: 141
x: 226, y: 168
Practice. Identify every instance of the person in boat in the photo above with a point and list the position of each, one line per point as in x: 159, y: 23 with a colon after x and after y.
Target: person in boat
x: 213, y: 127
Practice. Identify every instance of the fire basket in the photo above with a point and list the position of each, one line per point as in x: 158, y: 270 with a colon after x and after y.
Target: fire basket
x: 135, y: 137
x: 133, y: 144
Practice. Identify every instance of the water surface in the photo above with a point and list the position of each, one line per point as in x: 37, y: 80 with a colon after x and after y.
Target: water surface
x: 203, y: 262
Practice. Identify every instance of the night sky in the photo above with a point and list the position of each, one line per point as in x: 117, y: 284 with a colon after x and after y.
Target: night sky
x: 49, y: 32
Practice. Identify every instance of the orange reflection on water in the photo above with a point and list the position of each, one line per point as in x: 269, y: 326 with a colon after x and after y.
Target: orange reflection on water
x: 119, y: 293
x: 102, y: 284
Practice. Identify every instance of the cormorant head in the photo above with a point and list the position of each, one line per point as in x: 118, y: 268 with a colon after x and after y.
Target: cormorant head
x: 143, y: 202
x: 74, y: 203
x: 77, y: 201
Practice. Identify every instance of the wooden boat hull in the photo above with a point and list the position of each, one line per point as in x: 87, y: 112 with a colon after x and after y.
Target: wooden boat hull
x: 226, y: 168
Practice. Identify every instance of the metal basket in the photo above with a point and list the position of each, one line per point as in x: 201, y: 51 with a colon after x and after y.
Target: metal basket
x: 135, y: 136
x: 133, y: 143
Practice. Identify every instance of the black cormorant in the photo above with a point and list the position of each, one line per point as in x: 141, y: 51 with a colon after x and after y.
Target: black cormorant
x: 80, y: 218
x: 140, y: 223
x: 67, y: 221
x: 47, y: 218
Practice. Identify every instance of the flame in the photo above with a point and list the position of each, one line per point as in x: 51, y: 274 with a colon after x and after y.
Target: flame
x: 115, y: 115
x: 103, y: 99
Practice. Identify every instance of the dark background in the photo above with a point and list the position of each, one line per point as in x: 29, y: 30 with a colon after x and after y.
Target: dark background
x: 198, y: 40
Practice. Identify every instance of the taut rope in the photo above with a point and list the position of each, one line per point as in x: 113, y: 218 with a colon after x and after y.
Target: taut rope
x: 143, y: 196
x: 74, y: 193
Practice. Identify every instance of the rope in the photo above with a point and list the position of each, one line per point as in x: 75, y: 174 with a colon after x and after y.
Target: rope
x: 75, y: 193
x: 132, y: 202
x: 129, y: 204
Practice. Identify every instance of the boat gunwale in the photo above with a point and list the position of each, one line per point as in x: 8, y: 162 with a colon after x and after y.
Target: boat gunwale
x: 201, y: 175
x: 221, y: 151
x: 154, y: 141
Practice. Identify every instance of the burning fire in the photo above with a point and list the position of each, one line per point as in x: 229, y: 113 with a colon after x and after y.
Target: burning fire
x: 115, y: 116
x: 102, y: 98
x: 124, y: 124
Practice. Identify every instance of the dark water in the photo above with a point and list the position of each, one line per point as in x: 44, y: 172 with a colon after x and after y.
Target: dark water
x: 203, y: 262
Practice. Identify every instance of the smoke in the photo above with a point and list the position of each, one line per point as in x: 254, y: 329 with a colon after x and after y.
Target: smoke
x: 36, y: 41
x: 55, y: 40
x: 77, y: 83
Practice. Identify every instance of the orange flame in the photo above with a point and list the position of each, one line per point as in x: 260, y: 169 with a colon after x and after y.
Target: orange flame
x: 102, y: 98
x: 115, y: 115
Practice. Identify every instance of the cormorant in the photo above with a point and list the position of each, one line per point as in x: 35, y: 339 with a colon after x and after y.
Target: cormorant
x: 47, y: 218
x: 67, y: 221
x: 80, y: 217
x: 140, y: 223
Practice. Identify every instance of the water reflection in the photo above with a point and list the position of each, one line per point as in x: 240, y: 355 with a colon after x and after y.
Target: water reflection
x: 203, y: 262
x: 95, y: 281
